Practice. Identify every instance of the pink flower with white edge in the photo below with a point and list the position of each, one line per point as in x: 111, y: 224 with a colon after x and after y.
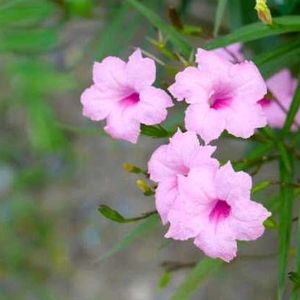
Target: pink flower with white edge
x: 221, y: 96
x: 214, y: 208
x: 232, y: 53
x: 282, y: 86
x: 170, y: 162
x: 122, y: 93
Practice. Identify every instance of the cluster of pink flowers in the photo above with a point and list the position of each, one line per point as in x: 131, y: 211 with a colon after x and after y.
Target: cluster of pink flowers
x: 195, y: 195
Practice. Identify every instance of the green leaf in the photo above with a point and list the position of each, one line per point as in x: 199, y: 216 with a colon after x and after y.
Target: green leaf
x: 155, y: 131
x: 281, y: 57
x: 199, y: 274
x: 115, y: 216
x: 144, y: 227
x: 165, y: 280
x: 285, y: 222
x: 257, y: 31
x: 293, y: 110
x: 179, y: 42
x: 221, y: 7
x: 24, y: 13
x: 261, y: 186
x: 296, y: 292
x: 33, y: 41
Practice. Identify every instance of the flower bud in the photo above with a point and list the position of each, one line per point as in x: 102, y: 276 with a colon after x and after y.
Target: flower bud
x: 131, y: 168
x: 263, y: 11
x: 144, y: 187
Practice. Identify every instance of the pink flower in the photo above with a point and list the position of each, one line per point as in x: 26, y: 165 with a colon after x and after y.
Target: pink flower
x: 214, y: 208
x: 231, y: 53
x: 221, y: 95
x: 123, y: 94
x: 282, y: 86
x: 171, y: 162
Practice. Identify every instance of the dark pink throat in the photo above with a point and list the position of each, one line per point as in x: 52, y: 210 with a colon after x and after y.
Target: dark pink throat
x: 264, y: 102
x: 220, y: 100
x: 132, y: 99
x: 220, y: 211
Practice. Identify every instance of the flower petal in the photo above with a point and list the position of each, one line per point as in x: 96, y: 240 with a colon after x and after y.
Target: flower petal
x: 192, y: 85
x: 151, y: 109
x: 140, y: 71
x: 121, y: 125
x: 217, y: 242
x: 96, y: 106
x: 208, y: 123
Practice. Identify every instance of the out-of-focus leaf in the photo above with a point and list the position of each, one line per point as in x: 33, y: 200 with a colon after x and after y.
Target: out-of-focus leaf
x: 261, y: 186
x: 33, y: 41
x: 165, y: 280
x: 256, y: 31
x: 200, y: 273
x: 115, y: 216
x: 148, y: 225
x: 285, y: 222
x: 24, y: 12
x: 82, y: 8
x: 155, y: 131
x: 294, y: 276
x: 174, y: 36
x: 221, y: 7
x: 281, y: 57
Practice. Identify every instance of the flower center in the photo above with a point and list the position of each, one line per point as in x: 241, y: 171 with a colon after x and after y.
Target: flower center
x: 265, y: 102
x: 131, y: 99
x: 220, y: 100
x: 220, y: 211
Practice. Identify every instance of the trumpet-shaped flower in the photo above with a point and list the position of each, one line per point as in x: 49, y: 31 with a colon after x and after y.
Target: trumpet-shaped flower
x: 221, y: 95
x: 122, y: 93
x: 214, y: 208
x: 170, y: 162
x: 282, y: 87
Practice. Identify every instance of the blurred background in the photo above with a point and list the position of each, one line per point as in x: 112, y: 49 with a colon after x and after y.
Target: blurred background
x: 56, y: 167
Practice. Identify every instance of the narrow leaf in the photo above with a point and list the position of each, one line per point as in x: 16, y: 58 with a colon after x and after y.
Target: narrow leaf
x: 144, y: 227
x: 155, y: 131
x: 257, y: 31
x: 200, y: 273
x: 174, y: 36
x: 281, y: 57
x: 221, y: 7
x: 285, y: 222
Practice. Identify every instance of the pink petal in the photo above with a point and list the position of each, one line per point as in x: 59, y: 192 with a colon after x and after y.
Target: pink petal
x: 231, y: 53
x: 247, y: 219
x: 151, y: 109
x: 190, y: 84
x: 158, y: 168
x: 246, y: 82
x: 110, y: 76
x: 208, y: 123
x: 227, y: 180
x: 121, y: 125
x: 165, y: 195
x: 245, y: 118
x: 95, y: 106
x: 140, y: 71
x: 217, y: 242
x: 210, y: 62
x: 185, y: 222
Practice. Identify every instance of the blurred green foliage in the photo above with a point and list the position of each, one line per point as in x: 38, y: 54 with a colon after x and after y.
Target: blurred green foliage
x: 34, y: 139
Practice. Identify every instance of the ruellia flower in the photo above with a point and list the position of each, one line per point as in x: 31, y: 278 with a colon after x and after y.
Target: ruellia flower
x: 221, y: 95
x: 214, y: 208
x: 232, y: 53
x: 170, y: 162
x: 122, y: 93
x: 282, y: 87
